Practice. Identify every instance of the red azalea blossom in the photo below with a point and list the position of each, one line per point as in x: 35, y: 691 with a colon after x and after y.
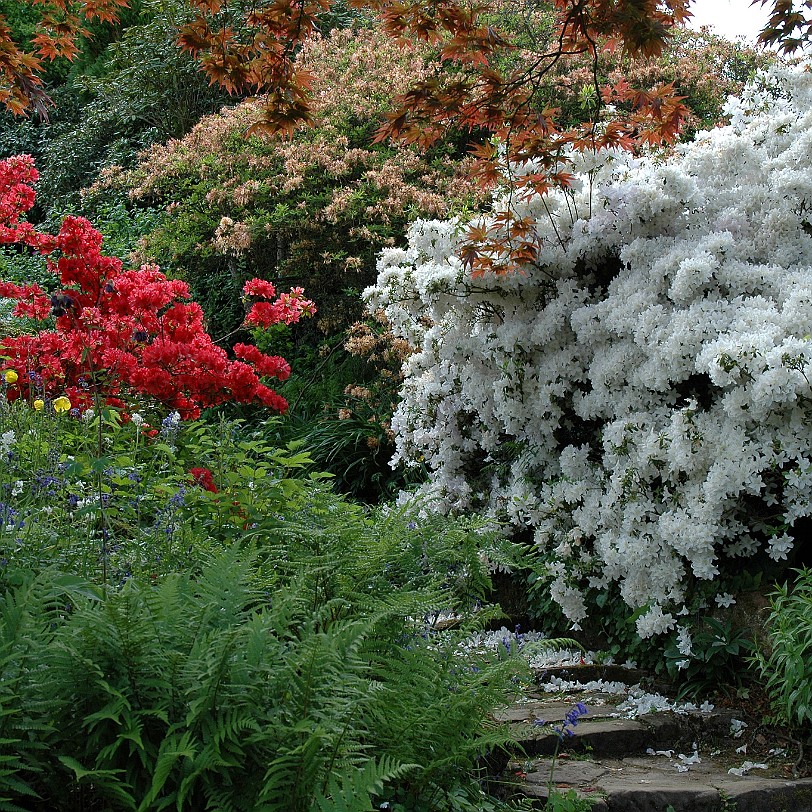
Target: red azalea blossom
x: 259, y: 287
x: 288, y: 307
x: 120, y: 331
x: 203, y: 478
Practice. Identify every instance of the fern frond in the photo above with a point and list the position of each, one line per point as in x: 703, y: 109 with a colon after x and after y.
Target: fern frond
x: 352, y: 791
x: 173, y: 748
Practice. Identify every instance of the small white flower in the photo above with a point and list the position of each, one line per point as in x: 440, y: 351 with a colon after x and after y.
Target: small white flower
x: 138, y: 420
x: 737, y: 728
x: 780, y: 546
x: 7, y: 440
x: 684, y: 643
x: 745, y: 768
x: 725, y: 600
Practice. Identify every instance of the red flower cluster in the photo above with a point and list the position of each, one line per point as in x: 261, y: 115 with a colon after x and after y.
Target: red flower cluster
x: 120, y: 331
x: 203, y: 478
x: 289, y: 307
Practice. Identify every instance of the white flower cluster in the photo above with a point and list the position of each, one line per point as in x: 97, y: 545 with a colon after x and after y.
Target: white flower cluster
x: 641, y: 397
x: 638, y: 701
x: 7, y: 440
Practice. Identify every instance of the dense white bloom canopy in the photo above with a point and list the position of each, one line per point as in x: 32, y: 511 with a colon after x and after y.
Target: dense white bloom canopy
x: 642, y: 397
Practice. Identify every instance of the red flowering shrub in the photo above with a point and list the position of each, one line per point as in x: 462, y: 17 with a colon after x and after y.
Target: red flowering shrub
x: 119, y: 331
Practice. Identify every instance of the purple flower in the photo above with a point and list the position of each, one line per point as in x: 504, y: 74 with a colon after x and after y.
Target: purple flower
x: 567, y: 729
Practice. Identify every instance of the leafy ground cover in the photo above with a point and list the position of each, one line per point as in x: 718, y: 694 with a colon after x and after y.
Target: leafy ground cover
x: 185, y: 623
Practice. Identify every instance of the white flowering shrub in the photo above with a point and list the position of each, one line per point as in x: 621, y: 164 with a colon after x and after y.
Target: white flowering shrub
x: 641, y: 398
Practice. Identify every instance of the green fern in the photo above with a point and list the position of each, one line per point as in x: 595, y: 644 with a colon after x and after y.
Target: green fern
x: 293, y: 671
x: 352, y: 791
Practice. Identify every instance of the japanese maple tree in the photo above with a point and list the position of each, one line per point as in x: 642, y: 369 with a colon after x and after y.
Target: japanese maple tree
x: 253, y: 46
x: 487, y: 82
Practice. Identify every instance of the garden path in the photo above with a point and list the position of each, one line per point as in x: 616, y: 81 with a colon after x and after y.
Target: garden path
x: 636, y: 750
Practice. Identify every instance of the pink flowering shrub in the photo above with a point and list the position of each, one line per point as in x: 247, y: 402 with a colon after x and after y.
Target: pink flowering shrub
x: 313, y: 209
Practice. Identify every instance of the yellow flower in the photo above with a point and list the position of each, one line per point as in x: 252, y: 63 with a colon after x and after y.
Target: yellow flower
x: 61, y: 404
x: 10, y: 375
x: 39, y: 405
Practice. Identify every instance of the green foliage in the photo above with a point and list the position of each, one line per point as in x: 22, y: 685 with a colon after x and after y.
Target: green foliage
x: 237, y: 690
x: 568, y: 801
x: 23, y: 718
x: 356, y: 449
x: 101, y: 499
x: 719, y: 649
x: 265, y: 646
x: 786, y: 661
x: 144, y: 80
x: 341, y: 408
x: 123, y: 227
x: 342, y: 15
x: 81, y: 138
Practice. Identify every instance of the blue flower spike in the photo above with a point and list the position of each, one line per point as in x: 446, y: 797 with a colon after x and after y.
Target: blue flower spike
x: 567, y: 729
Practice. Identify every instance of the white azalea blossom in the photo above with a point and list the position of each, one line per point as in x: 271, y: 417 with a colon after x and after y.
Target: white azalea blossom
x: 645, y: 389
x: 684, y: 643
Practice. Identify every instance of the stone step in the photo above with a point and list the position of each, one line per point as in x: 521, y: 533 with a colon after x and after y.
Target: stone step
x: 609, y: 737
x: 604, y: 731
x: 653, y: 784
x: 683, y: 758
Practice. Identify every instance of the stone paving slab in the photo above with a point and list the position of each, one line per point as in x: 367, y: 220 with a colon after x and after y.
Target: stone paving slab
x: 602, y: 736
x: 607, y: 759
x: 652, y: 785
x: 535, y: 708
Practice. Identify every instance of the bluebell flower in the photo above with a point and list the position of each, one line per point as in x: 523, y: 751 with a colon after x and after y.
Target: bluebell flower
x: 567, y: 728
x: 170, y: 424
x: 9, y: 517
x: 45, y: 482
